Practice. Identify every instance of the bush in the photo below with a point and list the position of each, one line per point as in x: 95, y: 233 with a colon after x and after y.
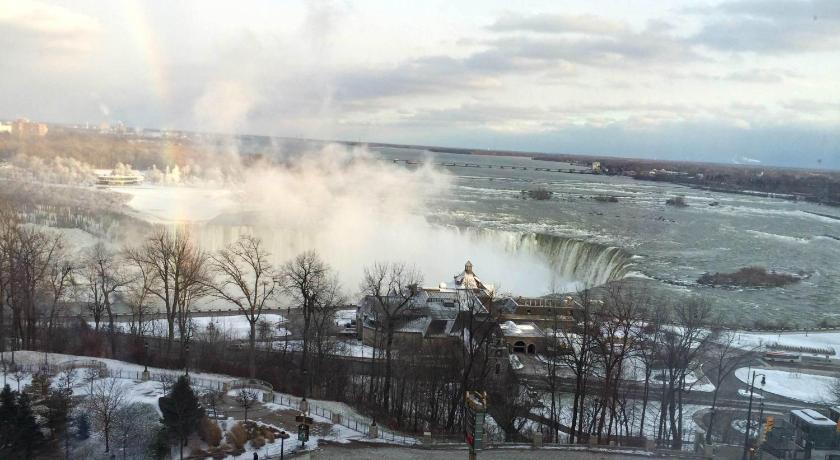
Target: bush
x: 210, y: 432
x: 258, y: 442
x: 678, y: 201
x: 237, y: 436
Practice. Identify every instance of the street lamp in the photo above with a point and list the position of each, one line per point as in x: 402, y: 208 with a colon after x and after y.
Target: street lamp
x: 749, y: 412
x: 283, y: 437
x: 146, y: 356
x: 187, y: 359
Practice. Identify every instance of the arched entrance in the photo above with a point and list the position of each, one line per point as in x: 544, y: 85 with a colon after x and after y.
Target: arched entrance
x: 531, y: 349
x: 519, y: 347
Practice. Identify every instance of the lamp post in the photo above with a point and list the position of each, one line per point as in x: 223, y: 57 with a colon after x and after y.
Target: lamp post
x: 187, y: 359
x: 145, y: 360
x: 749, y: 412
x: 283, y: 437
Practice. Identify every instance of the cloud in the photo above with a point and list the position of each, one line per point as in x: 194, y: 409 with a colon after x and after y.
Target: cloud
x: 557, y: 24
x: 48, y: 31
x: 771, y: 26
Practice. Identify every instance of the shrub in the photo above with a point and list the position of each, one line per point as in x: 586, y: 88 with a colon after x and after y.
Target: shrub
x: 210, y: 432
x: 237, y: 436
x: 678, y: 201
x: 258, y: 442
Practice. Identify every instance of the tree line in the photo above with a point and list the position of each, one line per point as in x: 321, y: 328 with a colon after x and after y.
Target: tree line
x: 623, y: 354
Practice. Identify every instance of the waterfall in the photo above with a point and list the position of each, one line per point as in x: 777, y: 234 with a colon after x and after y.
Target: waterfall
x: 573, y: 263
x: 589, y: 264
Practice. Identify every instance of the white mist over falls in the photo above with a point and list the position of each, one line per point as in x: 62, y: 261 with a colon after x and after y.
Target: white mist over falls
x: 355, y: 209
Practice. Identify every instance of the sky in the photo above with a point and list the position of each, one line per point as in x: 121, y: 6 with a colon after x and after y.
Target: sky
x: 734, y: 81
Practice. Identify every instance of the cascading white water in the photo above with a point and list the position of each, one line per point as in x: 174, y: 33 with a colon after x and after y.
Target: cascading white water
x: 572, y: 264
x: 526, y: 264
x: 590, y: 264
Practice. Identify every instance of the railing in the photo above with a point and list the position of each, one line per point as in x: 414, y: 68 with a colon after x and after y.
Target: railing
x: 163, y: 376
x: 358, y: 424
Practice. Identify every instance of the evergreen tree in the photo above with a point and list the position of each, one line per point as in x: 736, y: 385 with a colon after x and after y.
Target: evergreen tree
x: 159, y: 447
x: 58, y: 417
x: 28, y: 432
x: 181, y: 411
x: 8, y: 416
x: 82, y: 424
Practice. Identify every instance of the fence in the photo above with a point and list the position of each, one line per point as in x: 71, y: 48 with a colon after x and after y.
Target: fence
x: 162, y: 376
x: 359, y: 424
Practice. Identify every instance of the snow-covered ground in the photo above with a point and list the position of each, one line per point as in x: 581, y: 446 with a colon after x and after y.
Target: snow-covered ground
x: 753, y: 340
x: 795, y: 385
x: 162, y: 203
x: 149, y: 391
x: 634, y: 414
x: 746, y: 393
x: 354, y: 348
x: 234, y: 327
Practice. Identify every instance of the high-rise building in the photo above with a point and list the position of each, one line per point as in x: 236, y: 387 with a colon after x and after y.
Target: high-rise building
x: 22, y: 127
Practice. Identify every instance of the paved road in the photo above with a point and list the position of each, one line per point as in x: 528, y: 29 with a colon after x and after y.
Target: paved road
x: 335, y: 452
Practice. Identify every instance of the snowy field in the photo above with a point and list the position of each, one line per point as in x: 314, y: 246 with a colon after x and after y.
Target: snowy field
x: 354, y: 348
x: 148, y: 392
x: 752, y: 340
x: 795, y: 385
x: 162, y: 204
x: 634, y: 414
x: 233, y: 327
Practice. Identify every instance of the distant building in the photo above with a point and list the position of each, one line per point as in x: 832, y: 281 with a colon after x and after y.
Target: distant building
x: 432, y: 315
x: 596, y: 167
x: 546, y: 312
x: 523, y: 337
x: 22, y: 127
x: 5, y: 128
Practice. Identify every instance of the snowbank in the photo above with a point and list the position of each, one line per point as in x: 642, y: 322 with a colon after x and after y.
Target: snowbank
x: 795, y: 385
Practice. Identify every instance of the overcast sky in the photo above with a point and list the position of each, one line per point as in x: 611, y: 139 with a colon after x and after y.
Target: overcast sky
x: 733, y: 81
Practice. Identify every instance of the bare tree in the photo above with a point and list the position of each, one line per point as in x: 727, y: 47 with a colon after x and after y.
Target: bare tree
x: 619, y: 318
x: 392, y: 287
x: 90, y: 376
x: 179, y: 269
x: 247, y: 398
x: 59, y: 282
x: 64, y: 384
x: 8, y: 230
x: 134, y: 426
x: 31, y: 255
x: 105, y: 402
x: 212, y: 399
x: 510, y: 404
x: 323, y: 322
x: 245, y: 278
x: 648, y: 353
x: 682, y: 345
x: 579, y: 359
x: 139, y: 290
x: 723, y: 358
x: 105, y: 276
x: 306, y: 279
x: 19, y: 374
